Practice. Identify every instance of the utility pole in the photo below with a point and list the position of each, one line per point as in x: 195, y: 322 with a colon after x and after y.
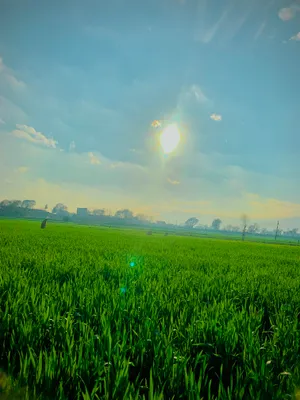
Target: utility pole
x: 244, y: 220
x: 277, y: 229
x: 244, y: 232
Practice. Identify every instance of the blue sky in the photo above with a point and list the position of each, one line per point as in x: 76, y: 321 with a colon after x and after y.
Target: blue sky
x: 81, y: 83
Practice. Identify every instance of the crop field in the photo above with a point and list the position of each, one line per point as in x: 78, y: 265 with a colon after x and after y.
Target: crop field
x: 99, y: 313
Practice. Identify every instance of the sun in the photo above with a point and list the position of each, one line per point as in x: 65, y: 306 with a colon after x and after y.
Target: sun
x: 170, y: 138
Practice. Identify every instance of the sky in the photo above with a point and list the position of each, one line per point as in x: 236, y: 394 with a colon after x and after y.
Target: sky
x: 82, y: 82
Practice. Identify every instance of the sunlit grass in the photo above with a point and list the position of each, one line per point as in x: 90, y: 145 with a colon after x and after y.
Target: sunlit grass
x: 104, y: 314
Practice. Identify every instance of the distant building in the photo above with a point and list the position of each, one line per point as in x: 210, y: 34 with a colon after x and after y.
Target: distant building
x: 82, y: 212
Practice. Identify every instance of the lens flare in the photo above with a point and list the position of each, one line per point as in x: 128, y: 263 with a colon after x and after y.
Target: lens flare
x: 170, y: 138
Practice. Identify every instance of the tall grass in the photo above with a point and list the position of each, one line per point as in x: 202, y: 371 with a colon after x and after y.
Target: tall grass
x: 89, y: 313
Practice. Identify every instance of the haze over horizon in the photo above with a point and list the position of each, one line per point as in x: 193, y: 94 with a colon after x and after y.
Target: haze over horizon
x: 82, y: 83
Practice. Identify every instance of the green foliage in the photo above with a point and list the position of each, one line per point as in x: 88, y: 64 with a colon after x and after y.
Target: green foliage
x: 91, y: 313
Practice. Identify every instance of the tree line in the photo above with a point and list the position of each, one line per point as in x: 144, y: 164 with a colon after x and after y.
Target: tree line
x: 23, y: 208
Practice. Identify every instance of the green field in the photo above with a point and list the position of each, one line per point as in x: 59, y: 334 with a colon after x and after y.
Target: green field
x: 99, y: 313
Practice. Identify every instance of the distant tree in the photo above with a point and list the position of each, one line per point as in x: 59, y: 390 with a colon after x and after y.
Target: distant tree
x: 251, y: 229
x: 232, y: 228
x: 264, y: 231
x: 142, y: 218
x: 99, y: 212
x: 254, y: 228
x: 66, y: 218
x: 4, y: 203
x: 201, y: 227
x: 60, y: 209
x: 161, y: 223
x: 292, y: 232
x: 12, y: 208
x: 124, y: 214
x: 279, y: 232
x: 216, y: 224
x: 28, y: 203
x: 191, y: 222
x: 46, y: 207
x: 15, y: 203
x: 11, y: 203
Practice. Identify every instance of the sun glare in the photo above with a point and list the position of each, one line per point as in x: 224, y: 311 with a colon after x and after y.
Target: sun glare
x: 170, y: 138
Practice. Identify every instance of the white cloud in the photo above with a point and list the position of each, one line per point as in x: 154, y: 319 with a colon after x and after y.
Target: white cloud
x: 116, y: 165
x: 8, y: 75
x: 30, y: 134
x: 70, y: 168
x: 269, y: 208
x: 296, y: 37
x: 216, y: 117
x: 94, y: 160
x: 136, y: 152
x: 260, y: 30
x: 72, y: 146
x: 209, y: 35
x: 22, y: 170
x: 191, y: 97
x: 193, y: 92
x: 198, y: 93
x: 173, y: 182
